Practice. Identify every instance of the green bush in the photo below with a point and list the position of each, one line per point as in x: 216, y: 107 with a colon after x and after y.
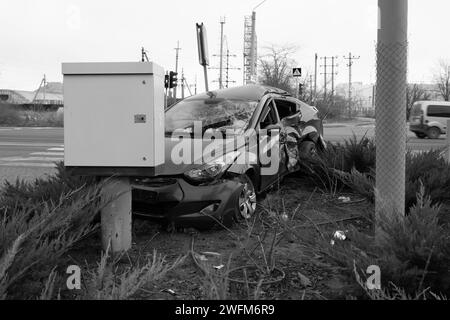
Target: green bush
x: 40, y: 221
x: 10, y: 116
x: 431, y: 170
x: 21, y: 194
x: 352, y: 164
x: 34, y: 236
x: 413, y: 252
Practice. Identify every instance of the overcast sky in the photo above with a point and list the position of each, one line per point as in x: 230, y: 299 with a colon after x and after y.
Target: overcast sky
x: 37, y: 36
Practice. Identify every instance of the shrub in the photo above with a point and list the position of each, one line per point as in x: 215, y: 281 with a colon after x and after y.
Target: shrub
x: 431, y: 170
x: 40, y: 221
x: 106, y: 282
x: 9, y: 116
x: 352, y: 164
x: 43, y: 119
x: 413, y: 252
x: 35, y: 236
x: 23, y: 194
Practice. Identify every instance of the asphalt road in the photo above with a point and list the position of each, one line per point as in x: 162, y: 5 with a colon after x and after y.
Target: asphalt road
x: 339, y: 132
x: 31, y: 152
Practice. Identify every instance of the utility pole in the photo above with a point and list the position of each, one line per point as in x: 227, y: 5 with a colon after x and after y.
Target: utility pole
x: 195, y: 85
x: 222, y: 22
x: 228, y: 68
x: 177, y: 49
x: 325, y: 73
x: 311, y: 89
x: 144, y: 56
x: 315, y: 77
x: 182, y: 83
x: 333, y: 73
x: 324, y: 78
x: 390, y: 130
x: 350, y: 59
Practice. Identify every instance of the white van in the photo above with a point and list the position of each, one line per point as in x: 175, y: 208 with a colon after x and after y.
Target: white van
x: 429, y: 118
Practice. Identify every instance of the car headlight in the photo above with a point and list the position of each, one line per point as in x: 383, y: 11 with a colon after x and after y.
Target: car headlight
x: 213, y: 169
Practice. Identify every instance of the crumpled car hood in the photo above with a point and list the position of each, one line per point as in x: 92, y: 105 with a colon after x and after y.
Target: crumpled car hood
x: 172, y: 168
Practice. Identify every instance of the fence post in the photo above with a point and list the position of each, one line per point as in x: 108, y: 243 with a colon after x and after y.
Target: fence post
x: 390, y: 130
x: 116, y: 215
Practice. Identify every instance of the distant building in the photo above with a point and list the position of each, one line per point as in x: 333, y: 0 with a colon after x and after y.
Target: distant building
x: 49, y: 95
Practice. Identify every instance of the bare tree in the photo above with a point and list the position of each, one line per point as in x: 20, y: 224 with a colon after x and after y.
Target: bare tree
x: 415, y: 92
x: 442, y: 79
x: 276, y: 67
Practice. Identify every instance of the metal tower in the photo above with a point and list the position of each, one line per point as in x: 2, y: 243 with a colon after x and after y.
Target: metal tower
x: 250, y: 50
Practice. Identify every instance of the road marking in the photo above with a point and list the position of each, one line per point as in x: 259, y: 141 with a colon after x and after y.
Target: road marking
x: 7, y: 144
x: 26, y: 164
x: 46, y: 159
x: 61, y: 154
x: 12, y: 159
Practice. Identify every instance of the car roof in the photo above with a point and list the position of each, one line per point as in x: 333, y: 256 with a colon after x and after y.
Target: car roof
x: 248, y: 92
x: 435, y: 102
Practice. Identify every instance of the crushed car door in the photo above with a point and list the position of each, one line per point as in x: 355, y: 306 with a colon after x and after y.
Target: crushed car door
x: 270, y: 145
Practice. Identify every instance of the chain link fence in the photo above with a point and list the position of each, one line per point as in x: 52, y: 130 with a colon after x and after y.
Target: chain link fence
x: 390, y: 130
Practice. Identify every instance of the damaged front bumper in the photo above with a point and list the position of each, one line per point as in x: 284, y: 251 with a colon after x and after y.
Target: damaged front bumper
x: 174, y: 200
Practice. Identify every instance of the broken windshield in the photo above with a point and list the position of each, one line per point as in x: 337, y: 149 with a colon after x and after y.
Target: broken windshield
x: 214, y: 114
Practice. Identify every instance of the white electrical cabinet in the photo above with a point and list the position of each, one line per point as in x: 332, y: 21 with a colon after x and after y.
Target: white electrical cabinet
x: 113, y: 115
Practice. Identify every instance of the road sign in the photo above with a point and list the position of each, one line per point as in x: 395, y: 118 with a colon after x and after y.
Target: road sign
x: 297, y: 72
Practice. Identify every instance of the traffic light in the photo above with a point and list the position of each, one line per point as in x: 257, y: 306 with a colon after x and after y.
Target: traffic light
x: 166, y: 81
x: 173, y: 79
x: 300, y: 89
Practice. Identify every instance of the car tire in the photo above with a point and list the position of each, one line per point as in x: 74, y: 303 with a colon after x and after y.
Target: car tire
x: 246, y: 203
x: 308, y: 149
x: 433, y: 133
x: 420, y: 135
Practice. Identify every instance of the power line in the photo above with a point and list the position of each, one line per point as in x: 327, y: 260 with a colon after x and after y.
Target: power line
x: 227, y: 68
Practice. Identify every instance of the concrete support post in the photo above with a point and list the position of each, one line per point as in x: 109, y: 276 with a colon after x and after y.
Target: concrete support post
x: 447, y: 150
x: 116, y: 215
x: 392, y: 49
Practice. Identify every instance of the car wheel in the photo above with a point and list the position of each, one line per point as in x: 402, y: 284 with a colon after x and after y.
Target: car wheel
x: 420, y: 135
x: 308, y: 149
x: 246, y: 205
x: 434, y: 133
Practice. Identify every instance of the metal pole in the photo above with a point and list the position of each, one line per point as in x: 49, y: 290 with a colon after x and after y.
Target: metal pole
x: 315, y: 77
x: 176, y: 67
x: 392, y: 50
x: 448, y: 142
x: 252, y: 46
x: 349, y: 85
x: 332, y: 80
x: 116, y: 215
x: 205, y: 72
x: 325, y: 80
x: 182, y: 83
x: 222, y: 22
x: 228, y: 68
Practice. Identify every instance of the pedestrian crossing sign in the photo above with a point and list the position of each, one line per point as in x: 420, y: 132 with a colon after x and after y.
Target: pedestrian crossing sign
x: 297, y: 72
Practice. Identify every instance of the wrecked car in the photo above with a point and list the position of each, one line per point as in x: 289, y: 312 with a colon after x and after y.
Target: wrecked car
x: 224, y: 149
